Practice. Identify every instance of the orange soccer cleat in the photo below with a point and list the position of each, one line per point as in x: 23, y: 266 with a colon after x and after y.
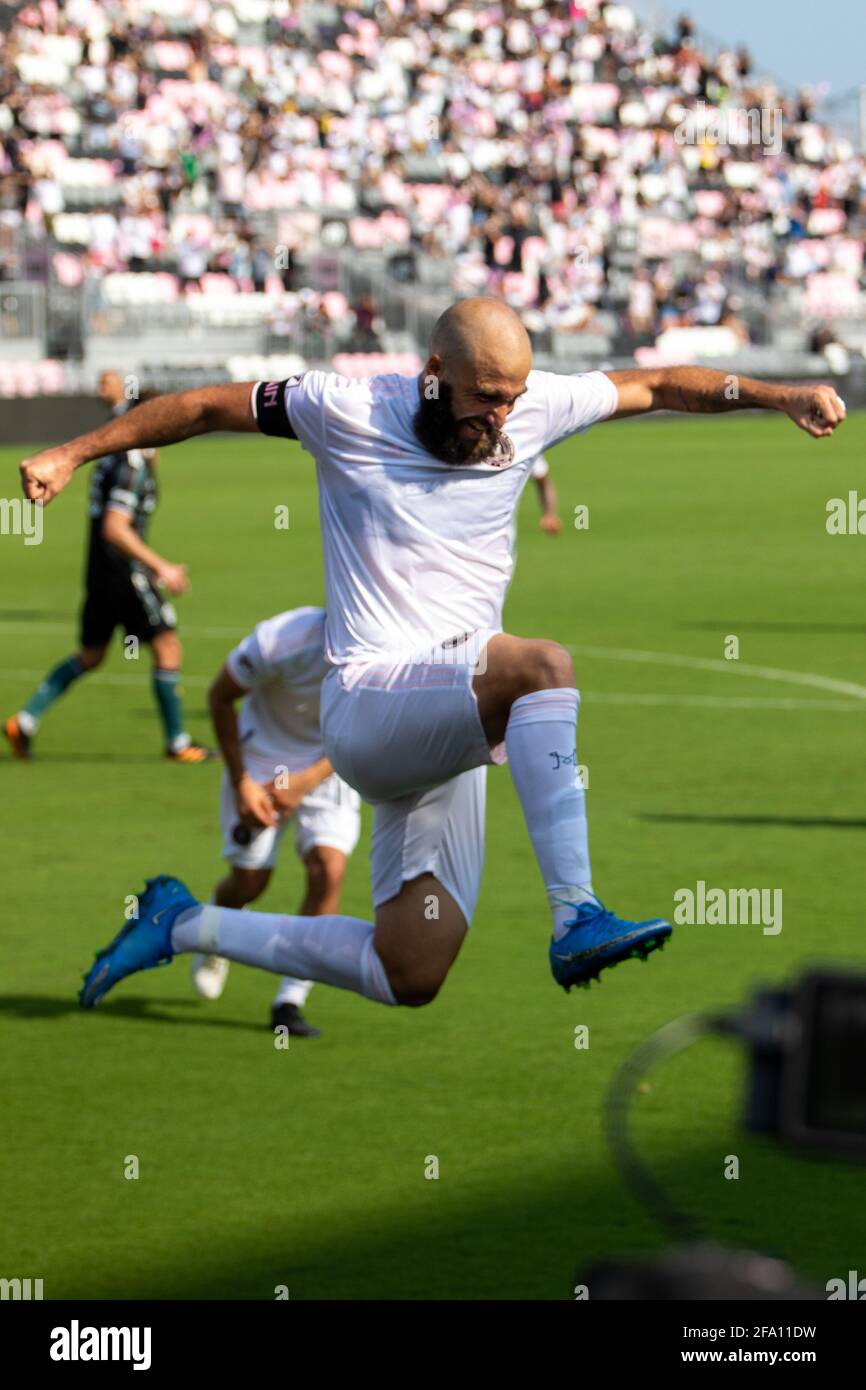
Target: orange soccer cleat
x: 192, y: 753
x: 19, y: 742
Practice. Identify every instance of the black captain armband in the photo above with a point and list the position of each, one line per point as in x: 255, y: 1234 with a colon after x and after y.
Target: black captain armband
x: 270, y: 406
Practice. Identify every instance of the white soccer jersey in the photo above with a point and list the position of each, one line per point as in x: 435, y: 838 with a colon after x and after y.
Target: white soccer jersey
x: 282, y: 664
x: 418, y: 551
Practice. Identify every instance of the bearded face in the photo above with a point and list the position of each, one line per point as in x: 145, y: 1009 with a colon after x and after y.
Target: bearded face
x: 453, y: 441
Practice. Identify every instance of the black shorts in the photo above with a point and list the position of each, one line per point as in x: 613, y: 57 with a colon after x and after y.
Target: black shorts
x: 131, y: 602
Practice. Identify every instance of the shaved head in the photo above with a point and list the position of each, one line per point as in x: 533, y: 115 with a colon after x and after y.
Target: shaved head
x: 480, y: 357
x: 482, y: 334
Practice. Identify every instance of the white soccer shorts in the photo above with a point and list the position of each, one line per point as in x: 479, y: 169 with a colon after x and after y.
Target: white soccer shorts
x: 438, y: 831
x: 408, y: 736
x: 329, y: 815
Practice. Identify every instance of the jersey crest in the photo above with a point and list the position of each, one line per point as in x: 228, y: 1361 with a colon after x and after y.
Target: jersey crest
x: 503, y: 454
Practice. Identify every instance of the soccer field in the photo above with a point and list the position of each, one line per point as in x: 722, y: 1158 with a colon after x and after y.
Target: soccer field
x: 305, y: 1167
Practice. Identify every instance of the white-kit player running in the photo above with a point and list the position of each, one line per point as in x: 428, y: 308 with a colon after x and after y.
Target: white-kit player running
x: 418, y: 482
x: 276, y: 773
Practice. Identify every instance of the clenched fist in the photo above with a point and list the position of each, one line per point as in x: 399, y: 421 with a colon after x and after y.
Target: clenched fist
x: 815, y: 409
x: 46, y: 474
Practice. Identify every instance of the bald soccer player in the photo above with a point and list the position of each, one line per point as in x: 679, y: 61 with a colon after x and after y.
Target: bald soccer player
x: 418, y: 482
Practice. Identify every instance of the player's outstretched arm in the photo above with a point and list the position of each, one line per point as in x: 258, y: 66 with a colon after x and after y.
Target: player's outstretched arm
x: 164, y: 420
x: 704, y: 391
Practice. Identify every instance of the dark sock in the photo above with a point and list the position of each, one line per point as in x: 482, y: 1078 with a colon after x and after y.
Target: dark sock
x: 166, y: 688
x: 53, y: 686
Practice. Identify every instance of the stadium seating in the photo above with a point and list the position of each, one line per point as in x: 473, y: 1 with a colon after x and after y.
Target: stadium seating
x: 548, y: 158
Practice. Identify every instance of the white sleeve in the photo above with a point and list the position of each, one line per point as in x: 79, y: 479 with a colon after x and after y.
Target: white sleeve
x: 540, y: 468
x: 294, y: 408
x: 249, y: 663
x: 305, y: 408
x: 577, y: 402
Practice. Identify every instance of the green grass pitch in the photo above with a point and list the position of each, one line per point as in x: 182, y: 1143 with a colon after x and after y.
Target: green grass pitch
x: 305, y: 1168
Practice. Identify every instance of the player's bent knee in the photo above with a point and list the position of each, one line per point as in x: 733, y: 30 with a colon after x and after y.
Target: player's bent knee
x: 414, y: 979
x: 91, y: 657
x: 416, y: 946
x: 414, y: 993
x: 415, y: 1001
x: 552, y: 666
x: 525, y: 665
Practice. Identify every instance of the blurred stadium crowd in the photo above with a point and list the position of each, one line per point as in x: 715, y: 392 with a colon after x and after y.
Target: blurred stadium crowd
x: 209, y: 162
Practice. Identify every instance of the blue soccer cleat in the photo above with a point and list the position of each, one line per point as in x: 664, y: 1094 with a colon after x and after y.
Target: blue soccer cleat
x: 598, y: 938
x: 142, y: 943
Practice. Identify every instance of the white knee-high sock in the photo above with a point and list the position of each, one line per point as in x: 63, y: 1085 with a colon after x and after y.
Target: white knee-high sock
x: 541, y: 742
x: 289, y: 990
x: 331, y: 949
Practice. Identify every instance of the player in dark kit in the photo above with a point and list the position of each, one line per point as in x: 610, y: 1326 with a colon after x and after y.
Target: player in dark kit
x: 123, y: 590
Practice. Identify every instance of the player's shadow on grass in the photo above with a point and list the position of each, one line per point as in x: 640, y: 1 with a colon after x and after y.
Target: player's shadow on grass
x: 792, y: 822
x: 142, y: 1010
x: 530, y: 1237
